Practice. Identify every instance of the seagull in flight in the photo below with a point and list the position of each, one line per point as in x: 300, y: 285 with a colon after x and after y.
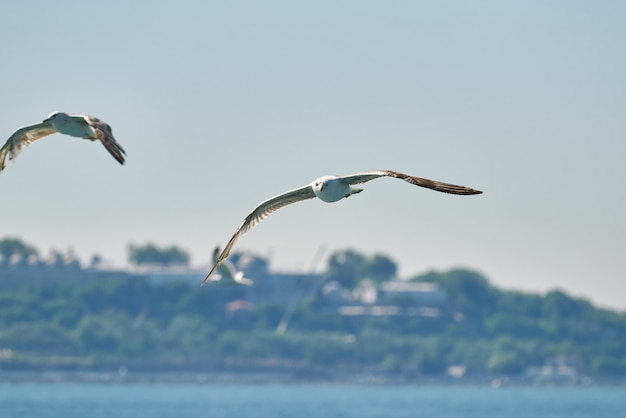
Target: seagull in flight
x: 81, y: 126
x: 226, y: 272
x: 328, y: 189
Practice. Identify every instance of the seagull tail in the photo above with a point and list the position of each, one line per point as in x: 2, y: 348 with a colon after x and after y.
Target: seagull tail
x: 114, y: 149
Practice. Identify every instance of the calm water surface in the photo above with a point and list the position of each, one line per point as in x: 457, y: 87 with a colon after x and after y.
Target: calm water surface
x: 305, y: 401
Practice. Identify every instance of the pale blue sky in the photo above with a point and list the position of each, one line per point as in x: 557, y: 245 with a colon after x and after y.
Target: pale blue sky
x: 221, y: 105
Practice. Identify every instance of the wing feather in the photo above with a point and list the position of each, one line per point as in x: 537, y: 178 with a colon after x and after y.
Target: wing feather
x: 104, y: 133
x: 21, y: 138
x: 258, y: 214
x: 418, y: 181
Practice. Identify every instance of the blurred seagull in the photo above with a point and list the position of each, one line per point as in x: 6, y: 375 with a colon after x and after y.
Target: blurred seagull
x: 226, y: 272
x: 81, y: 126
x: 329, y: 189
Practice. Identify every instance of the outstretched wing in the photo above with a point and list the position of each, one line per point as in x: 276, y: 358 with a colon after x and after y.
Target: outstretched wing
x: 260, y: 213
x: 21, y: 138
x: 105, y: 134
x: 418, y: 181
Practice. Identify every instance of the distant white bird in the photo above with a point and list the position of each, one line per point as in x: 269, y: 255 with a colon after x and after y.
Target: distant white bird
x: 226, y: 272
x: 328, y: 189
x: 81, y: 126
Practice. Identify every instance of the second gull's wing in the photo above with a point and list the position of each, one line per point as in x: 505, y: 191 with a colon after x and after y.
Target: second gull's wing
x: 105, y: 134
x: 21, y: 138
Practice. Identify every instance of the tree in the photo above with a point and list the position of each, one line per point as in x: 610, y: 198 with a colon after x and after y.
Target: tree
x: 150, y: 254
x: 468, y: 291
x: 14, y: 247
x: 381, y: 268
x: 96, y: 261
x: 346, y: 267
x: 557, y: 304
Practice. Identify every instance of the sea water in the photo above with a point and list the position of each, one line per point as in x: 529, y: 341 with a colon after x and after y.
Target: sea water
x: 26, y: 400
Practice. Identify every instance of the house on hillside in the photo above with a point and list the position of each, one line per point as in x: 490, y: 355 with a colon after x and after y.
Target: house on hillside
x: 396, y: 297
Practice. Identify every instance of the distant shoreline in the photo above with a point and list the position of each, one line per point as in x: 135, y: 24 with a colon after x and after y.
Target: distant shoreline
x: 172, y: 377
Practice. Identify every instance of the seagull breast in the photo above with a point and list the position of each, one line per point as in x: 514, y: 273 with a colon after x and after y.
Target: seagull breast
x: 330, y: 188
x: 72, y: 125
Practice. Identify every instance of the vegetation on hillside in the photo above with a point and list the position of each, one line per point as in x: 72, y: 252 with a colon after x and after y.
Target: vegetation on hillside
x: 125, y: 320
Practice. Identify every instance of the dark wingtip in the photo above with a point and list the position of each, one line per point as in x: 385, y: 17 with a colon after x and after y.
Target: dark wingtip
x: 206, y: 279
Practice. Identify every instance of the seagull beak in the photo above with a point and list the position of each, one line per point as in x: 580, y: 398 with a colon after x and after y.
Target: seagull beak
x: 46, y: 120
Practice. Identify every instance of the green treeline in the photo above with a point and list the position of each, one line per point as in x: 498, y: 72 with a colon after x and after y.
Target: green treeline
x: 126, y: 320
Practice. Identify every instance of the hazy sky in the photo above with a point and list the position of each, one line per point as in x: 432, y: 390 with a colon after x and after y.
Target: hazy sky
x: 221, y: 105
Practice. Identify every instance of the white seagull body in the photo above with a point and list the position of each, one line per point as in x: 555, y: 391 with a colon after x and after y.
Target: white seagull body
x: 328, y: 189
x: 81, y: 126
x: 227, y: 273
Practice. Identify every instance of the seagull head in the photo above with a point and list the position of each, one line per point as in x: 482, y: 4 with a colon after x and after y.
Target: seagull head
x: 322, y: 183
x: 319, y: 185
